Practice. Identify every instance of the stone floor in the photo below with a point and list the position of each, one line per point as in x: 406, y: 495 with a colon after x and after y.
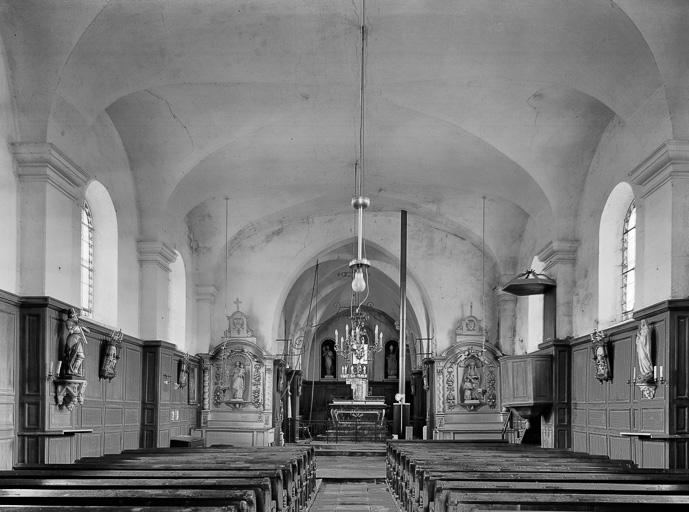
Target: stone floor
x: 335, y: 496
x: 352, y: 484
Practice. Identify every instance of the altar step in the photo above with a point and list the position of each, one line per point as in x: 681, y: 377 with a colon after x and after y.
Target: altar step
x: 353, y: 436
x: 363, y: 449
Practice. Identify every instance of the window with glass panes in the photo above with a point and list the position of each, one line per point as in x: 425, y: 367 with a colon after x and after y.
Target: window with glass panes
x: 628, y: 261
x: 87, y: 233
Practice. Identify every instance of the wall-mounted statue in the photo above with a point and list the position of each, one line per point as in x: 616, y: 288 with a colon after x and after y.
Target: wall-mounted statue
x: 75, y: 345
x: 70, y: 384
x: 182, y: 372
x: 646, y: 379
x: 599, y: 346
x: 111, y: 354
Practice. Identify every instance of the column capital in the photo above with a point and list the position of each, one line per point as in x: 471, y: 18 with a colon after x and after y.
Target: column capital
x: 667, y: 162
x: 557, y: 252
x: 153, y: 251
x: 504, y: 296
x: 206, y: 292
x: 42, y: 162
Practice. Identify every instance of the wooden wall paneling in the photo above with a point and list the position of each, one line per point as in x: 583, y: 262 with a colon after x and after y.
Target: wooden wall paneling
x: 580, y: 363
x: 132, y: 375
x: 677, y: 375
x: 9, y: 334
x: 622, y: 363
x: 149, y: 403
x: 620, y: 447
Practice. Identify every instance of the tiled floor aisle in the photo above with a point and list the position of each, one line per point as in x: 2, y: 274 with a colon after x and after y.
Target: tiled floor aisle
x: 353, y: 497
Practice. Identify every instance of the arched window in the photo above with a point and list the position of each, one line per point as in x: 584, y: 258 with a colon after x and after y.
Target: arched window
x: 628, y: 261
x: 99, y: 254
x: 87, y: 237
x: 616, y: 257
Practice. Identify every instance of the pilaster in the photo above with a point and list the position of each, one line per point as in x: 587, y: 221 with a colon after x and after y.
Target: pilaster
x: 559, y: 257
x: 205, y: 299
x: 662, y: 182
x: 507, y: 306
x: 154, y: 261
x: 50, y: 186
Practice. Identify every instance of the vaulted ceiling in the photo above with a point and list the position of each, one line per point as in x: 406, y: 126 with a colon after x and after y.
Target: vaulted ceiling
x: 260, y: 99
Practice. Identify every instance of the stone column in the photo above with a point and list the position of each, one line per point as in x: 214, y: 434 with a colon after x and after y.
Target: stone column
x: 662, y: 194
x: 507, y: 306
x: 154, y: 261
x: 559, y: 257
x: 50, y: 190
x: 205, y: 299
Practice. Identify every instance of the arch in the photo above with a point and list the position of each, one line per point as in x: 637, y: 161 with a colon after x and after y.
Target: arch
x: 105, y: 253
x: 178, y: 303
x: 610, y: 254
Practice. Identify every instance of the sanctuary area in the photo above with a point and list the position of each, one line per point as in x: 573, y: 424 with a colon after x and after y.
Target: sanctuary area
x: 264, y: 227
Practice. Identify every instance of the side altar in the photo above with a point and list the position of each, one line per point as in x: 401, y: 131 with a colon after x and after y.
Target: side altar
x: 237, y: 388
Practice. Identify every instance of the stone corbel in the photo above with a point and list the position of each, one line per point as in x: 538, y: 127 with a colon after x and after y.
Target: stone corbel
x: 69, y: 392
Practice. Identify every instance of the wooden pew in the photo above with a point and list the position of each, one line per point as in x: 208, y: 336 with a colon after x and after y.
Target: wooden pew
x: 240, y: 501
x: 280, y: 479
x: 461, y: 476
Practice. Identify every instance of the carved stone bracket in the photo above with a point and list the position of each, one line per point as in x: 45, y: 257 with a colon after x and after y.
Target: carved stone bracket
x: 648, y: 389
x: 69, y: 392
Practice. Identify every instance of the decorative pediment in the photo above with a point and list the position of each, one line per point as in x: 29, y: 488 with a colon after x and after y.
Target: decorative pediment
x: 238, y: 326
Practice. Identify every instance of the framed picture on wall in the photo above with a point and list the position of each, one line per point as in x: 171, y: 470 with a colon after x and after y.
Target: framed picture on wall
x: 193, y: 379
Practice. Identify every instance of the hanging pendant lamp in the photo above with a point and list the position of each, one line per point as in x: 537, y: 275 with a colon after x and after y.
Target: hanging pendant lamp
x: 529, y: 282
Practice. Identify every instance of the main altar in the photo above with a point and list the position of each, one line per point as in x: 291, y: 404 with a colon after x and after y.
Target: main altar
x: 358, y: 420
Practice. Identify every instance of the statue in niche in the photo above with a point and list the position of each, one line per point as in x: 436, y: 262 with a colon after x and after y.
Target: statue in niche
x: 643, y: 354
x: 471, y: 383
x: 328, y: 360
x: 73, y: 355
x: 391, y: 361
x: 238, y: 384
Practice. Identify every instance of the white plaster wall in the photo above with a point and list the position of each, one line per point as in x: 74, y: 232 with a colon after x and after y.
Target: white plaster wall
x: 8, y: 186
x: 96, y: 147
x: 448, y: 267
x: 624, y: 145
x: 657, y: 266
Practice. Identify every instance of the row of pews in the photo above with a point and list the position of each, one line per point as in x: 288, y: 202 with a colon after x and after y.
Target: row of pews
x: 456, y: 476
x: 227, y: 479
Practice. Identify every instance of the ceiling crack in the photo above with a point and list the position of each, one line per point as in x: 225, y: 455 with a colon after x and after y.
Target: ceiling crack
x: 174, y: 116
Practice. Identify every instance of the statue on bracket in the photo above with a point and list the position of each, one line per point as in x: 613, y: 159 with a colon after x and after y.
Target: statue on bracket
x: 599, y: 346
x: 108, y: 368
x: 646, y: 380
x: 70, y: 384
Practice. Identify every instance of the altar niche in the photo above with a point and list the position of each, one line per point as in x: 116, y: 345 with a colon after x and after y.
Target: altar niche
x: 392, y: 360
x: 328, y: 360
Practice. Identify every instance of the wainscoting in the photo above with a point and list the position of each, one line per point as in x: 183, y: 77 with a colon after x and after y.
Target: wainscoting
x: 143, y: 405
x: 613, y: 417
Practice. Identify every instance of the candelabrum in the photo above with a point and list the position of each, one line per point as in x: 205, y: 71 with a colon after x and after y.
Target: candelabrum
x: 357, y: 343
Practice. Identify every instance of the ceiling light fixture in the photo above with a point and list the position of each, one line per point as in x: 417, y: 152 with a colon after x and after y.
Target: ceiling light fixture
x: 360, y: 202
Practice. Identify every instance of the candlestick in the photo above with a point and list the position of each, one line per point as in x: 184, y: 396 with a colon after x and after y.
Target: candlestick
x: 655, y: 373
x: 59, y: 365
x: 661, y: 372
